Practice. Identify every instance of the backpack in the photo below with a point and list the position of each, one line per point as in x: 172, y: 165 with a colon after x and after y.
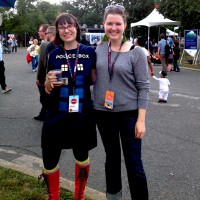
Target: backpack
x: 167, y: 49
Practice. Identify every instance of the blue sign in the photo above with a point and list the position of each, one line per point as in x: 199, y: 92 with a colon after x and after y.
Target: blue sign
x: 191, y: 39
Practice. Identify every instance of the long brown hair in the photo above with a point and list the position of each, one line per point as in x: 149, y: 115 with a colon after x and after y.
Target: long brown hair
x: 63, y: 19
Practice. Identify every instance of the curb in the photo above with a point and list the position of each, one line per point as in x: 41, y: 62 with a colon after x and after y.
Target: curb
x: 187, y: 68
x: 190, y: 68
x: 66, y: 184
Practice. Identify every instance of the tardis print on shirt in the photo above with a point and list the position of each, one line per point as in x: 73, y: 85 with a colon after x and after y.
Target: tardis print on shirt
x: 86, y: 62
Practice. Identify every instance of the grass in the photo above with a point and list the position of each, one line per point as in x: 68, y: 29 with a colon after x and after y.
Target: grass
x: 16, y: 185
x: 185, y: 60
x: 189, y: 66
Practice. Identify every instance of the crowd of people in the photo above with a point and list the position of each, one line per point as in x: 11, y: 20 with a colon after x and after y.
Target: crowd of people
x: 9, y: 44
x: 166, y: 52
x: 119, y: 71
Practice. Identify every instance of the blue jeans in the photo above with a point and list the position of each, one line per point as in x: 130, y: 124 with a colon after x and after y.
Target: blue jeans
x: 34, y: 62
x: 116, y: 128
x: 175, y: 63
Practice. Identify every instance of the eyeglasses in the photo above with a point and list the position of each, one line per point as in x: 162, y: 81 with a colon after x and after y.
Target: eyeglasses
x: 113, y: 7
x: 70, y: 27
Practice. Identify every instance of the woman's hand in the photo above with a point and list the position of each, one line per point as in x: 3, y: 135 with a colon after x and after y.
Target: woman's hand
x: 50, y: 79
x: 152, y: 73
x: 140, y: 127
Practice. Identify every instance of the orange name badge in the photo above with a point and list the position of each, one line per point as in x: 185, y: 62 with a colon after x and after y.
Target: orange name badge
x: 109, y: 99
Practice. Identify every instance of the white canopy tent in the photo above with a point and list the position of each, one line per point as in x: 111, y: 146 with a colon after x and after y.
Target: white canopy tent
x: 170, y: 33
x: 155, y: 19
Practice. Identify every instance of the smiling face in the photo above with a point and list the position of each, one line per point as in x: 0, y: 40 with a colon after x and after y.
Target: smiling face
x: 114, y: 26
x: 67, y: 32
x: 115, y: 22
x: 67, y: 29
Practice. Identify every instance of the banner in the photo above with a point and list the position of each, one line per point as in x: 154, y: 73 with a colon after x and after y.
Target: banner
x: 94, y: 38
x: 191, y: 39
x: 191, y: 52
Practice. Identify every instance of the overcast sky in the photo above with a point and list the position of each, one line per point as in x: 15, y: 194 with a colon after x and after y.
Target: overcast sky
x: 54, y: 1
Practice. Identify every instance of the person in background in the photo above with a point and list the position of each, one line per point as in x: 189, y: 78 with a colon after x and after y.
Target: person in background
x: 176, y: 56
x: 15, y: 45
x: 40, y: 75
x: 84, y: 37
x: 163, y: 87
x: 170, y: 56
x: 175, y: 38
x: 161, y: 51
x: 45, y: 49
x: 170, y: 61
x: 69, y: 122
x: 148, y: 45
x: 4, y: 87
x: 141, y: 42
x: 84, y: 40
x: 120, y: 100
x: 170, y: 41
x: 42, y: 32
x: 154, y: 46
x: 31, y: 40
x: 34, y: 51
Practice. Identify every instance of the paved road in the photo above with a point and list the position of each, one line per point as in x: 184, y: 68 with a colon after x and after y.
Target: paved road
x: 171, y: 147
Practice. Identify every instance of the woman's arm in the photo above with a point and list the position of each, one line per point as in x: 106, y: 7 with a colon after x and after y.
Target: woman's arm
x: 140, y: 126
x: 150, y: 66
x: 93, y: 76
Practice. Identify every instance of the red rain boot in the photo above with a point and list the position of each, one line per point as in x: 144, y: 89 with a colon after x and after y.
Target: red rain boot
x: 81, y: 176
x: 53, y: 185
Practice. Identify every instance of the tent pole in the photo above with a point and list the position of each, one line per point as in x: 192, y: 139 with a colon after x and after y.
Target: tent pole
x: 158, y: 33
x: 131, y: 33
x: 148, y: 37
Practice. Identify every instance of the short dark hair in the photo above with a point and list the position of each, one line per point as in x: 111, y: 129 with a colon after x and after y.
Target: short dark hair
x: 176, y: 43
x: 164, y: 74
x: 44, y: 27
x: 162, y: 35
x: 141, y: 41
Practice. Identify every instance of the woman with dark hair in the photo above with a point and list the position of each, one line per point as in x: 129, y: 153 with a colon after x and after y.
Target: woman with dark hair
x: 69, y: 122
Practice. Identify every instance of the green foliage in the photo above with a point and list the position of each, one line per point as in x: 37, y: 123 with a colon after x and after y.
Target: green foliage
x: 186, y: 11
x: 138, y: 10
x: 16, y: 185
x: 29, y: 14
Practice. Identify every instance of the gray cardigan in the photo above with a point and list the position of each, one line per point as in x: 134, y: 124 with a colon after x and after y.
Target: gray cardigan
x: 129, y: 82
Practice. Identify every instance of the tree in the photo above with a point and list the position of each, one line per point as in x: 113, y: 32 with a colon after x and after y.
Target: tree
x: 186, y: 11
x: 29, y: 14
x: 138, y: 10
x: 48, y: 11
x: 85, y: 12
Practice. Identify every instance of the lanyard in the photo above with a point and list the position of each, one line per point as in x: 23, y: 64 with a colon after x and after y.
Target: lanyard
x: 73, y: 75
x: 111, y: 65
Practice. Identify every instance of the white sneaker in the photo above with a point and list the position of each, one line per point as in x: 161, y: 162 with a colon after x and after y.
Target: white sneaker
x: 6, y: 90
